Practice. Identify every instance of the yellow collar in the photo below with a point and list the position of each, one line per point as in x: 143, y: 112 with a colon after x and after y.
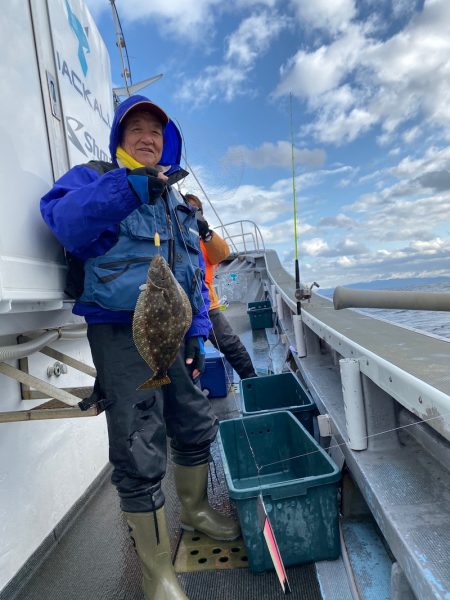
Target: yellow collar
x: 127, y: 160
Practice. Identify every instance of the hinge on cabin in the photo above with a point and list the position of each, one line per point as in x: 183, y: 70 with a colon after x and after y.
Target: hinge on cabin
x: 53, y: 95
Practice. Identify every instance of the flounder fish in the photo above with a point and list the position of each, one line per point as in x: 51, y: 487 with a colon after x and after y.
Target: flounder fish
x: 162, y: 316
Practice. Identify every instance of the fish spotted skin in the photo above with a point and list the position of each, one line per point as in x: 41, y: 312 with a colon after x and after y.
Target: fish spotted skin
x: 162, y: 316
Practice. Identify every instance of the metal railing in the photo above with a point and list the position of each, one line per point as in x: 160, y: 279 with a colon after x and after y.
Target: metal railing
x: 245, y: 234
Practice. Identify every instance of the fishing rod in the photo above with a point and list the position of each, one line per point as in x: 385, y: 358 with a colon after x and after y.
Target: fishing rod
x: 297, y: 268
x: 301, y: 293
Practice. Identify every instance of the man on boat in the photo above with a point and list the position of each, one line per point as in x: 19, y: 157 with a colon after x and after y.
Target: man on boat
x: 109, y: 216
x: 215, y: 250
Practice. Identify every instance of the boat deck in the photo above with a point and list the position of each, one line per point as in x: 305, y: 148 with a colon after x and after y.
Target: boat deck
x: 406, y: 489
x: 94, y: 558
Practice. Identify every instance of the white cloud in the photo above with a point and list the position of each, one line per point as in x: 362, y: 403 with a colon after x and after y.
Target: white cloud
x: 430, y: 247
x: 345, y: 261
x: 340, y: 220
x: 434, y: 159
x: 345, y: 247
x: 403, y: 8
x: 407, y: 261
x: 356, y: 81
x: 314, y: 247
x: 244, y: 47
x: 311, y: 179
x: 183, y: 17
x: 278, y: 154
x: 332, y: 15
x: 310, y: 74
x: 337, y: 128
x: 253, y: 36
x: 248, y: 3
x: 247, y: 202
x: 280, y: 233
x: 223, y: 82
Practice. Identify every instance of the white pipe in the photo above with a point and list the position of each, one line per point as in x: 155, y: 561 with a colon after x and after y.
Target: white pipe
x: 355, y: 416
x: 299, y: 337
x: 73, y: 333
x: 273, y: 292
x: 22, y: 350
x: 280, y: 309
x: 349, y: 298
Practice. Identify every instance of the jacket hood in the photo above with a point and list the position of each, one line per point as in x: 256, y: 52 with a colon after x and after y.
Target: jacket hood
x: 171, y: 155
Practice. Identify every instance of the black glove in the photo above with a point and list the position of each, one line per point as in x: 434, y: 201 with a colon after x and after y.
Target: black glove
x: 144, y: 181
x: 203, y: 227
x: 194, y: 354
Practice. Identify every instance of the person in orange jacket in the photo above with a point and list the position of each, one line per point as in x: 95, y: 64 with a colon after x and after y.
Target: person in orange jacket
x: 215, y: 250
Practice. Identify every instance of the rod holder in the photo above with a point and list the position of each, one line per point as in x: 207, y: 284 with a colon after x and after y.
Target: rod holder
x: 299, y: 337
x: 273, y: 294
x: 355, y: 414
x: 280, y: 308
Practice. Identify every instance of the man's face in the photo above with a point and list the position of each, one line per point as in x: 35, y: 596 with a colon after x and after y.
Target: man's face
x: 142, y: 138
x: 192, y: 202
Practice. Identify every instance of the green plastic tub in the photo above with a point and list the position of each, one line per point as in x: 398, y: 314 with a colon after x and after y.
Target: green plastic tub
x: 260, y: 314
x: 278, y: 392
x: 300, y: 495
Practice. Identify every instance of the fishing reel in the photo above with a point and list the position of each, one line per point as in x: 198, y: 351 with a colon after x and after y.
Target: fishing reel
x: 304, y: 292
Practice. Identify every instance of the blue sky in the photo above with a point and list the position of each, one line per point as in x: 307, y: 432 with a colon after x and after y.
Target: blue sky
x: 370, y: 85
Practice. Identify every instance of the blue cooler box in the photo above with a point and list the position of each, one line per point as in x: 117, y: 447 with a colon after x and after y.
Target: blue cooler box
x: 215, y: 379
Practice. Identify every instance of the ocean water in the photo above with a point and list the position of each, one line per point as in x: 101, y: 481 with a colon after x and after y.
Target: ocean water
x: 435, y: 322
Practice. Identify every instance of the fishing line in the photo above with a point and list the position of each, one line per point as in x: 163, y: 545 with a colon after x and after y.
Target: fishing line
x: 229, y: 194
x: 234, y: 396
x: 224, y: 229
x: 367, y: 437
x: 156, y: 238
x: 191, y: 170
x: 259, y: 467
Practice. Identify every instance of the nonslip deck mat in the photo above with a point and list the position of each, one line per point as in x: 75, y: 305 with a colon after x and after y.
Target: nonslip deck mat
x: 197, y: 552
x: 241, y: 584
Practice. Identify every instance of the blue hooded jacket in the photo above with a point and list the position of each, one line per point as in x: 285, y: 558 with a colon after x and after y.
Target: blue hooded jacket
x: 86, y: 206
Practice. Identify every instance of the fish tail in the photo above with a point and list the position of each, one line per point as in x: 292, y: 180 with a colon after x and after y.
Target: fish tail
x: 155, y: 381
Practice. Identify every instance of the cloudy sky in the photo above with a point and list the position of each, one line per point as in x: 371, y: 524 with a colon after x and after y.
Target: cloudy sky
x: 370, y: 86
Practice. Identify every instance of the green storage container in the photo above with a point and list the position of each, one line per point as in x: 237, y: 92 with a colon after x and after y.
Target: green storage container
x: 260, y: 314
x: 300, y: 495
x: 278, y: 392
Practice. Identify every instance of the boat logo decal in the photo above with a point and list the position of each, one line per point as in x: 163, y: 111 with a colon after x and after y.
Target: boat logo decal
x: 81, y: 33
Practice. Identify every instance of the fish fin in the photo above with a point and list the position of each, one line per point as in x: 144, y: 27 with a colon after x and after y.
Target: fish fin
x: 155, y: 382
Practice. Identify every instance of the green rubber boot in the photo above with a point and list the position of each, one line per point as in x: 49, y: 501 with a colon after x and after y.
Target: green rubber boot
x: 196, y: 513
x: 159, y: 579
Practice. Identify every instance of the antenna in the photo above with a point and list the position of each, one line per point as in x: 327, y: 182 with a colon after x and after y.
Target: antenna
x: 129, y: 88
x: 120, y: 43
